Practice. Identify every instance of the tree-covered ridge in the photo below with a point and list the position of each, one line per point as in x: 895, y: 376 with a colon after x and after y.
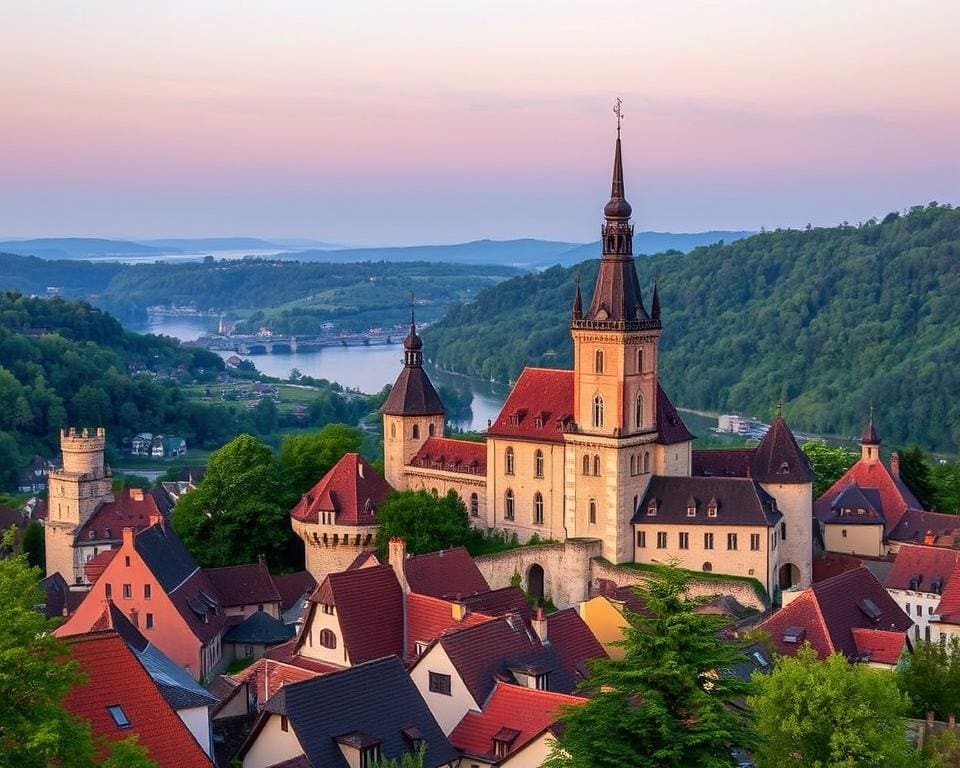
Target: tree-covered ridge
x: 831, y: 320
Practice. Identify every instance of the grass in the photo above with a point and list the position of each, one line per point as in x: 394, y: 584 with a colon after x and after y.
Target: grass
x: 238, y: 665
x: 758, y: 588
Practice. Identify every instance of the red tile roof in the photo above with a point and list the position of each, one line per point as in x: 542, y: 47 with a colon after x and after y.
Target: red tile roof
x: 833, y: 564
x: 878, y: 645
x: 97, y: 564
x: 949, y: 607
x: 114, y: 677
x: 264, y: 678
x: 524, y: 710
x: 249, y: 584
x: 936, y: 529
x: 450, y: 455
x: 575, y: 643
x: 928, y: 563
x: 538, y: 405
x: 369, y: 609
x: 500, y: 602
x: 352, y: 489
x: 293, y: 586
x: 132, y: 508
x: 365, y: 559
x: 429, y: 617
x: 890, y: 493
x: 669, y: 424
x: 449, y: 573
x: 830, y: 610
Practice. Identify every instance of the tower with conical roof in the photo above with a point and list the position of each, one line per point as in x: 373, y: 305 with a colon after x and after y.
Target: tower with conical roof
x: 870, y: 442
x: 412, y: 412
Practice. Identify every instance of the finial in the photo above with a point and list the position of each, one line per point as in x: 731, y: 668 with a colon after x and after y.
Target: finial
x: 780, y: 408
x: 413, y: 304
x: 577, y: 300
x: 655, y: 308
x: 618, y: 111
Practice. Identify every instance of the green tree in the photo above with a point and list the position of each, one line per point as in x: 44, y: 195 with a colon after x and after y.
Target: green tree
x: 829, y: 462
x: 307, y: 456
x: 238, y: 512
x: 930, y: 678
x: 406, y: 760
x: 127, y: 753
x: 946, y: 486
x: 915, y: 472
x: 33, y: 545
x: 265, y: 417
x: 829, y: 714
x: 665, y: 704
x: 942, y: 750
x: 428, y: 523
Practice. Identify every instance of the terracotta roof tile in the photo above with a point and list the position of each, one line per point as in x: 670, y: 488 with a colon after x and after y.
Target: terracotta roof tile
x: 293, y: 586
x: 262, y: 679
x: 501, y: 602
x: 833, y: 564
x: 352, y: 489
x: 248, y: 584
x: 928, y: 563
x: 538, y: 405
x: 528, y: 712
x: 949, y: 607
x: 132, y: 508
x: 114, y: 677
x: 429, y: 617
x: 447, y: 574
x: 575, y: 643
x: 830, y: 610
x: 96, y: 565
x: 878, y: 645
x: 890, y: 493
x: 450, y: 455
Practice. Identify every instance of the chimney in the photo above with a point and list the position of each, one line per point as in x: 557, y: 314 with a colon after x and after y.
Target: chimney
x: 929, y: 538
x: 396, y: 556
x: 539, y: 623
x: 128, y: 537
x: 135, y: 617
x: 136, y: 494
x: 261, y: 559
x: 157, y: 520
x: 459, y: 611
x: 895, y: 464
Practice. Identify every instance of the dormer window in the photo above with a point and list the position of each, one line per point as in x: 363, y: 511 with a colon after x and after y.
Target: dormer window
x: 691, y: 507
x: 652, y: 508
x: 503, y: 741
x: 413, y: 737
x: 712, y: 508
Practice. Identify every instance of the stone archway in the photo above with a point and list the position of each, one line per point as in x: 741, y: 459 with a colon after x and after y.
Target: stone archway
x: 535, y: 582
x: 788, y: 576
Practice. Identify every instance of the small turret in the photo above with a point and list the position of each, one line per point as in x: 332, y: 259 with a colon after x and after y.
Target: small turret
x: 577, y: 302
x: 870, y: 442
x: 655, y: 308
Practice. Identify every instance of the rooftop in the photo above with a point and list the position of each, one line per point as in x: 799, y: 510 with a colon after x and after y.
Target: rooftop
x: 352, y: 490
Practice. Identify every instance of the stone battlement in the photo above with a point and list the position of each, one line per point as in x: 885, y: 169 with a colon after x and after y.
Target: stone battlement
x: 82, y: 451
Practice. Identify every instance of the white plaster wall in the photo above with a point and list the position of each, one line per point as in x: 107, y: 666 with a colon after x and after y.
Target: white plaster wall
x: 447, y: 710
x: 272, y: 746
x: 197, y: 720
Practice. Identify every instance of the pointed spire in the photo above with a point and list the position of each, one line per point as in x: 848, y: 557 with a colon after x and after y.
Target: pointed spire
x: 577, y: 301
x: 655, y: 308
x: 412, y: 345
x: 780, y: 408
x: 870, y: 436
x: 617, y: 208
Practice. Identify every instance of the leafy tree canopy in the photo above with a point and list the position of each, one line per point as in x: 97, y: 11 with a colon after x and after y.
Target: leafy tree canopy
x: 930, y: 679
x: 829, y: 714
x: 829, y: 463
x: 426, y: 522
x: 665, y: 703
x: 307, y: 456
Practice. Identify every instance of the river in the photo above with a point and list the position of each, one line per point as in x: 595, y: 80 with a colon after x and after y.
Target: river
x: 368, y: 369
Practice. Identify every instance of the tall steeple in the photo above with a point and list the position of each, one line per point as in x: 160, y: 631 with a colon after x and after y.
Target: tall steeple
x: 413, y: 393
x: 617, y: 301
x: 412, y: 344
x: 870, y: 442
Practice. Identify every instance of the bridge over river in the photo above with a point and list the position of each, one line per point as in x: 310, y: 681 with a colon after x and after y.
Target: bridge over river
x: 268, y: 345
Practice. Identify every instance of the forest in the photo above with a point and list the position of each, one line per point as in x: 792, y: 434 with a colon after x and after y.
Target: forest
x: 830, y: 320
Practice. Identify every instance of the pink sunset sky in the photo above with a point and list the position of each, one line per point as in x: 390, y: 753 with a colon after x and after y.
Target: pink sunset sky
x: 386, y: 122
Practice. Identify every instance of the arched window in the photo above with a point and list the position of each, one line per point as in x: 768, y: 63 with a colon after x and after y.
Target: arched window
x: 393, y: 430
x: 538, y: 508
x: 598, y: 361
x: 639, y: 361
x: 586, y: 465
x: 508, y: 504
x: 435, y: 492
x: 430, y: 429
x: 707, y: 567
x: 646, y: 462
x: 538, y: 463
x: 474, y: 505
x: 508, y: 461
x: 416, y: 431
x: 596, y: 466
x: 328, y: 639
x: 638, y: 411
x: 597, y: 411
x: 593, y: 511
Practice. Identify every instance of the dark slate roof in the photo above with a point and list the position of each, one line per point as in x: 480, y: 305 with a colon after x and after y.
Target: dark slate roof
x: 162, y: 499
x: 165, y: 556
x: 248, y: 584
x: 778, y: 458
x: 670, y: 426
x: 863, y: 505
x: 59, y: 600
x: 740, y: 501
x: 413, y: 395
x: 260, y: 628
x: 448, y: 573
x: 377, y: 699
x: 500, y: 602
x: 574, y: 642
x: 293, y: 586
x: 723, y: 462
x: 933, y: 528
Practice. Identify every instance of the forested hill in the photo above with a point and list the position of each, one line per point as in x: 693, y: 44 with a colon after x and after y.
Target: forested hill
x: 832, y: 320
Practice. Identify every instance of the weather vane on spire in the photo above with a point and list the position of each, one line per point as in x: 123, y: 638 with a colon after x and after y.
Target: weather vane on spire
x: 618, y: 111
x: 413, y: 304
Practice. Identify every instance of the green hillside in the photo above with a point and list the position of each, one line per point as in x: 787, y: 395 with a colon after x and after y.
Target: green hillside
x: 831, y: 320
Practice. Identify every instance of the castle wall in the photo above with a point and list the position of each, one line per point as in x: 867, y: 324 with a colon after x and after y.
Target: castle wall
x: 854, y: 539
x: 795, y: 502
x: 525, y: 485
x: 461, y: 483
x: 400, y: 445
x: 331, y: 548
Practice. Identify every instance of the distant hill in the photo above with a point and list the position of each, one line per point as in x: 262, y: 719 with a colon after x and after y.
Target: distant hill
x: 647, y: 243
x: 831, y: 320
x: 76, y: 248
x: 213, y: 244
x: 32, y: 275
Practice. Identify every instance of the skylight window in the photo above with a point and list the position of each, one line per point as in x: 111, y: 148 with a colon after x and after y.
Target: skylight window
x: 119, y: 716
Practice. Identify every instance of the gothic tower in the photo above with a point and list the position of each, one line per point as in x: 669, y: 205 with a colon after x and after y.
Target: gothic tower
x: 612, y: 448
x: 74, y: 494
x: 412, y: 412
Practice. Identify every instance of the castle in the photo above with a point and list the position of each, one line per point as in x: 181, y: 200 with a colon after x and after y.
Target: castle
x: 595, y: 454
x: 83, y: 516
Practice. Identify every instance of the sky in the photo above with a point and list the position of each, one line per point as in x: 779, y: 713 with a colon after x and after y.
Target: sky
x: 384, y: 122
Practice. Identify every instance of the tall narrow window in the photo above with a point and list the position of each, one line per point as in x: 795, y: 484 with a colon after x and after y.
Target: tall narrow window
x: 508, y: 511
x: 684, y: 540
x: 639, y: 361
x: 430, y: 429
x: 661, y: 539
x: 416, y: 431
x: 593, y: 511
x: 538, y: 463
x: 646, y: 462
x: 538, y: 508
x: 642, y: 539
x: 508, y: 461
x: 598, y: 361
x: 708, y: 541
x: 474, y: 505
x: 596, y: 466
x: 598, y: 411
x: 731, y: 541
x: 633, y: 465
x: 586, y: 465
x: 638, y: 411
x: 393, y: 430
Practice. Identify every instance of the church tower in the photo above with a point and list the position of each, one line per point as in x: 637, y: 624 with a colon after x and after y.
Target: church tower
x: 74, y: 494
x: 412, y: 412
x: 870, y: 443
x: 612, y: 451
